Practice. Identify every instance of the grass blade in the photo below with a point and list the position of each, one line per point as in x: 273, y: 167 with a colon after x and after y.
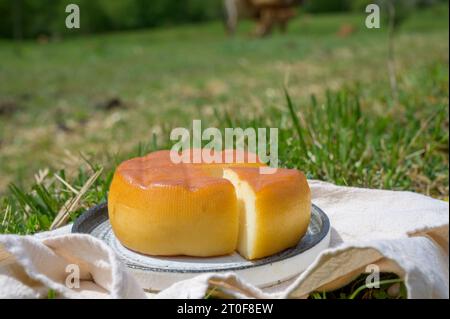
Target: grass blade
x: 296, y: 123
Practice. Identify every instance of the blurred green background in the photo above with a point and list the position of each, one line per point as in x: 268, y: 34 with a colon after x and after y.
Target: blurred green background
x: 31, y: 18
x: 67, y: 95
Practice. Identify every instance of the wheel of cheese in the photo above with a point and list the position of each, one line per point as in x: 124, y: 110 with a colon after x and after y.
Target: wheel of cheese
x: 160, y: 207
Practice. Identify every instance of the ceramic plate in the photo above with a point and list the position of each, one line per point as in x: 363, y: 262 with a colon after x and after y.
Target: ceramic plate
x: 157, y: 273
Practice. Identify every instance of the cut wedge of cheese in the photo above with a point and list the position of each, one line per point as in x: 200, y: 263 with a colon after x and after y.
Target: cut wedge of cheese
x: 274, y: 210
x: 158, y: 207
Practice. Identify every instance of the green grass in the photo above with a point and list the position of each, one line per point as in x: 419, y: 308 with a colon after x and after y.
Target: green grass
x: 337, y: 123
x: 167, y: 77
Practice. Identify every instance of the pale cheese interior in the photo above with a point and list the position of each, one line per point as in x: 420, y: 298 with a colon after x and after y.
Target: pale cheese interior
x: 247, y: 213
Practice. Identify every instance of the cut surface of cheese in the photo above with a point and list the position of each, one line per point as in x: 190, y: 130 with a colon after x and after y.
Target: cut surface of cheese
x: 274, y: 210
x: 158, y: 207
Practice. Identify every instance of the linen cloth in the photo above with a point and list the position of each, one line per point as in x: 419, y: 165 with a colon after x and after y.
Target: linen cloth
x: 401, y: 232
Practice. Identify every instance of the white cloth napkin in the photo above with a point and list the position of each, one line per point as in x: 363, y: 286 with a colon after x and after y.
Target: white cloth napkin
x: 401, y: 232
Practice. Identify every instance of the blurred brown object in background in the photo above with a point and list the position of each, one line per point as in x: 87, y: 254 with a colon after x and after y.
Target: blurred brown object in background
x: 111, y: 104
x: 346, y: 30
x: 9, y: 107
x: 267, y: 13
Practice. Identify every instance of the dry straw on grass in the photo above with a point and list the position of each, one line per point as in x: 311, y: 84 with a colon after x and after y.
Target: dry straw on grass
x: 73, y: 203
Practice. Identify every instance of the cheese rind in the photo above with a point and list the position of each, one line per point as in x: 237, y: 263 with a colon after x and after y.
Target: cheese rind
x: 158, y: 208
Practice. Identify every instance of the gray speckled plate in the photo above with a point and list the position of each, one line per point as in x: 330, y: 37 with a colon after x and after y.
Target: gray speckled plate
x: 157, y: 273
